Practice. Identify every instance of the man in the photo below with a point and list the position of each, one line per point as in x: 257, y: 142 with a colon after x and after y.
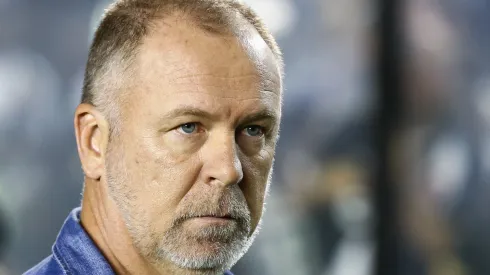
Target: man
x: 176, y: 134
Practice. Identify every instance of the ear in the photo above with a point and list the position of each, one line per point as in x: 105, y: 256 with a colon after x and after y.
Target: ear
x: 92, y: 135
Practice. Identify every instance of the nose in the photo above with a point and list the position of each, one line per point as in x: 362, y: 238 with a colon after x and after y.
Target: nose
x: 222, y: 164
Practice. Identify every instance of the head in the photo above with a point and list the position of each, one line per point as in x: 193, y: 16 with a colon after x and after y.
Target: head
x: 178, y: 124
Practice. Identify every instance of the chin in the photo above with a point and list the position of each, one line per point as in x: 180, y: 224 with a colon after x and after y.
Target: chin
x: 205, y: 256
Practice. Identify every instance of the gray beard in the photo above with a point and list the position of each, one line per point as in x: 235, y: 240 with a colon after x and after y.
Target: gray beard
x: 187, y: 250
x: 230, y: 245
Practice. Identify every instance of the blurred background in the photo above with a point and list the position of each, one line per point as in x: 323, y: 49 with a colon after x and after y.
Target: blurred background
x: 320, y: 214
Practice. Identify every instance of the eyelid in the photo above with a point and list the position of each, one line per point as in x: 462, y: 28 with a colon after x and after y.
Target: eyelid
x: 198, y: 128
x: 264, y: 130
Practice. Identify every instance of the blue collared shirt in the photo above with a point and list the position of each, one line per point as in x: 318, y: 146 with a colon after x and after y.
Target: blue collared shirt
x: 74, y: 253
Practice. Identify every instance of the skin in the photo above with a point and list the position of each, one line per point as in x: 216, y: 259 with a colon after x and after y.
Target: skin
x: 197, y: 137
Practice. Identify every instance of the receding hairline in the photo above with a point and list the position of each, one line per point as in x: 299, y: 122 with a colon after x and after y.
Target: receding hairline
x: 172, y: 18
x: 239, y: 32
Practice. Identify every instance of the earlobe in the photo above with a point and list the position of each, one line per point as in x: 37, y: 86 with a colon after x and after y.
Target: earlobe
x: 91, y: 132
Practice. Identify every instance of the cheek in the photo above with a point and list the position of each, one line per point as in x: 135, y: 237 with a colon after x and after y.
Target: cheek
x: 180, y: 148
x: 159, y: 184
x: 256, y: 175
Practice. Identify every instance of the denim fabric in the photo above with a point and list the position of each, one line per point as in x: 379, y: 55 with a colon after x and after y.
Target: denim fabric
x: 74, y: 253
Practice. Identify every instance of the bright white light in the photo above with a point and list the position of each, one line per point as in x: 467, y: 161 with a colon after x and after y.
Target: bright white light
x: 28, y: 83
x: 97, y: 13
x: 352, y: 258
x: 448, y: 168
x: 279, y: 15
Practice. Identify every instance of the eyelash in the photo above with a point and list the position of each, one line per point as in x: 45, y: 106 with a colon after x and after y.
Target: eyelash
x: 263, y: 130
x: 197, y: 125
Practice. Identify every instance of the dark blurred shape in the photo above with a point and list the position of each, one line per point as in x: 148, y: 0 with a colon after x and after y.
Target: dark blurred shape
x: 388, y: 77
x: 3, y: 235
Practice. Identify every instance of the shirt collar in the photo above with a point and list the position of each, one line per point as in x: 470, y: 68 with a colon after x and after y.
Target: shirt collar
x: 76, y: 251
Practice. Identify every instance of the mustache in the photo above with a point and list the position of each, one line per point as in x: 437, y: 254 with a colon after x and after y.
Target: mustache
x: 231, y: 205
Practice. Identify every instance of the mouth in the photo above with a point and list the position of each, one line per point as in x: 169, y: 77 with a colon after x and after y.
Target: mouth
x: 223, y: 217
x: 213, y: 219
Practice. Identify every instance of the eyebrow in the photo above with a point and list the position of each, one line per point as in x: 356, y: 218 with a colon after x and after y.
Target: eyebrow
x: 187, y: 111
x: 264, y: 114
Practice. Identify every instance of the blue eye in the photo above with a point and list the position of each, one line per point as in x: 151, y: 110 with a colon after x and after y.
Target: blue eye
x: 188, y: 128
x: 254, y: 131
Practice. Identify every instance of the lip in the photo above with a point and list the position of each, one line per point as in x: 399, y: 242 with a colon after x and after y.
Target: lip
x: 213, y: 219
x: 224, y: 217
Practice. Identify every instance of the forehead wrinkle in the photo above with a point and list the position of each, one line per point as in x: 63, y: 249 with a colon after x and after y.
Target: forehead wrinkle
x: 259, y: 97
x: 217, y: 76
x: 184, y: 76
x: 224, y: 86
x: 211, y: 106
x: 213, y: 80
x: 231, y: 84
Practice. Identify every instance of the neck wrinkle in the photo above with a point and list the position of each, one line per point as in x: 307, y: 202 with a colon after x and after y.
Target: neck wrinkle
x: 100, y: 218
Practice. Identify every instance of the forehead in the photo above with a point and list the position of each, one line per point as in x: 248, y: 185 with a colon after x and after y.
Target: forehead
x: 178, y: 50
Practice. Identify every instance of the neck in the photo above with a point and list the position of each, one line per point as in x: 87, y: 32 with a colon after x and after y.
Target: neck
x: 104, y: 224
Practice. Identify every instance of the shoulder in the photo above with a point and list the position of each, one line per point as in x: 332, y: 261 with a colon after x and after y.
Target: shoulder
x: 48, y: 266
x: 228, y: 273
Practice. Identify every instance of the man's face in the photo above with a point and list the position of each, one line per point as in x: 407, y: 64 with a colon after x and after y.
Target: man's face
x: 191, y: 164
